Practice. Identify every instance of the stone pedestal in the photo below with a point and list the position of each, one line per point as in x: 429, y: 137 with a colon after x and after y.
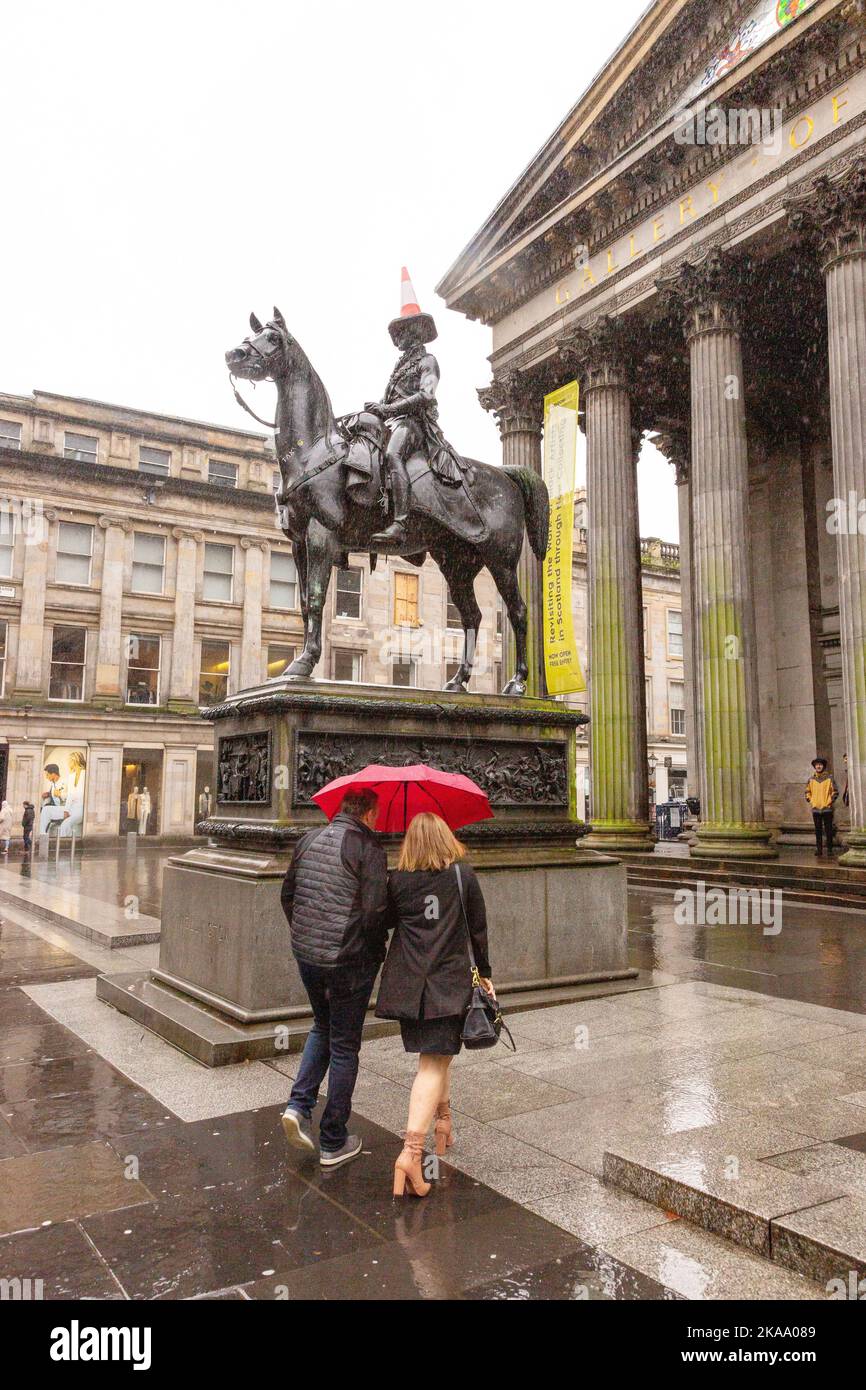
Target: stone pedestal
x: 226, y: 986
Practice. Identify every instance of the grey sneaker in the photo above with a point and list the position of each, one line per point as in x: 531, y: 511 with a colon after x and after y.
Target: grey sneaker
x: 332, y: 1158
x: 298, y: 1129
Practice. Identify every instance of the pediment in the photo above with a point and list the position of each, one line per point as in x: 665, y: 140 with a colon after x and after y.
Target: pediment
x: 677, y: 54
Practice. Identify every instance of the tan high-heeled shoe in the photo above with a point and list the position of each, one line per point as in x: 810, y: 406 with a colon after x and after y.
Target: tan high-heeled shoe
x: 407, y: 1169
x: 442, y: 1129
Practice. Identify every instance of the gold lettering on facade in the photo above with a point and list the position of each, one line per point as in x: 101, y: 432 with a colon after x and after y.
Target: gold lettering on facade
x: 658, y: 227
x: 563, y: 294
x: 809, y: 125
x: 611, y: 264
x: 838, y: 102
x: 687, y: 208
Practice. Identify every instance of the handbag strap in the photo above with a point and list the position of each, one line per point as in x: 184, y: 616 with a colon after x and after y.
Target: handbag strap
x: 476, y: 977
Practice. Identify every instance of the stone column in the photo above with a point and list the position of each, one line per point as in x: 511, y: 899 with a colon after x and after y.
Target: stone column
x: 29, y: 674
x: 251, y: 638
x: 833, y: 212
x: 518, y: 406
x: 183, y: 685
x: 726, y: 687
x: 109, y: 647
x: 617, y: 683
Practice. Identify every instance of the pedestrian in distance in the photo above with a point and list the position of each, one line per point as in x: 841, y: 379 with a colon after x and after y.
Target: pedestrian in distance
x: 821, y: 794
x: 6, y: 823
x: 27, y: 824
x: 334, y: 896
x: 427, y: 978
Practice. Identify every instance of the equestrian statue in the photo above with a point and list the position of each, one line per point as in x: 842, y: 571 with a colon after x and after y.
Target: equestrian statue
x: 386, y: 480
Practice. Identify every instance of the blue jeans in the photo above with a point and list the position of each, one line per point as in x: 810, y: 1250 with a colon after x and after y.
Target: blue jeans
x: 339, y: 995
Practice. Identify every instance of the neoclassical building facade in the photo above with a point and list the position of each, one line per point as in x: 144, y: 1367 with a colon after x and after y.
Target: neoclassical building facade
x: 705, y: 281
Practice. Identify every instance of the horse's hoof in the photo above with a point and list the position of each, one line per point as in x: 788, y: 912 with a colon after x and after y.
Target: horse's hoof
x: 456, y: 686
x: 515, y: 686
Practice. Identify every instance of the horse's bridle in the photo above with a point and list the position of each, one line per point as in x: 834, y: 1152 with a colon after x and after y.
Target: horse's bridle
x: 265, y: 357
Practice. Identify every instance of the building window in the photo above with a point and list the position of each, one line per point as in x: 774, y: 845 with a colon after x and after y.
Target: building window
x: 219, y: 564
x: 677, y: 705
x: 348, y: 598
x: 675, y: 633
x: 68, y: 652
x: 649, y: 702
x: 155, y: 461
x: 213, y: 681
x: 646, y: 644
x: 3, y: 631
x: 142, y: 674
x: 280, y: 657
x: 10, y: 434
x: 497, y: 676
x: 74, y: 552
x: 499, y: 618
x: 677, y: 784
x: 346, y: 666
x: 276, y: 481
x: 405, y: 599
x: 403, y: 672
x: 284, y: 580
x: 84, y: 447
x: 7, y: 541
x: 148, y: 563
x: 223, y: 473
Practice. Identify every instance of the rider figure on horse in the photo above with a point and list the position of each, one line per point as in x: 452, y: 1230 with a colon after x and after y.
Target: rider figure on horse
x: 409, y: 407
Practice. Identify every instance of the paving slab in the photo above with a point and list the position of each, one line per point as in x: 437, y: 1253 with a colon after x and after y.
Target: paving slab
x: 825, y: 1242
x: 702, y: 1266
x: 100, y: 922
x: 64, y: 1184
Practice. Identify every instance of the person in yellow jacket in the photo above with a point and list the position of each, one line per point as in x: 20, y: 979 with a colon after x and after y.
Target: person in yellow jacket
x: 821, y: 793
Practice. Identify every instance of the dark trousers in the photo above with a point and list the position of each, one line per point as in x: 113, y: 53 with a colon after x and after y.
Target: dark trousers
x: 823, y: 827
x: 339, y: 996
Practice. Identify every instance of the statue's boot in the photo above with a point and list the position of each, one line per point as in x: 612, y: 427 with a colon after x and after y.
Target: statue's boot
x: 395, y: 534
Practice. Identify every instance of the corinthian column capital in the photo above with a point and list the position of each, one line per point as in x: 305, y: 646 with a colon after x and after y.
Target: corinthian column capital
x: 704, y: 294
x: 515, y: 401
x: 595, y: 351
x: 831, y: 213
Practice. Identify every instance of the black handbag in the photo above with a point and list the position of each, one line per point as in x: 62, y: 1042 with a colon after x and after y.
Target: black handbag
x: 482, y: 1023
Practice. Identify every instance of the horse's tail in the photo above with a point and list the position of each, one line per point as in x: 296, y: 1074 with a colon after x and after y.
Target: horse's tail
x: 536, y: 502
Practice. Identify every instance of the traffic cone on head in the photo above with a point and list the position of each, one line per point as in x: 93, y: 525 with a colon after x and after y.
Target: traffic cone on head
x: 410, y: 313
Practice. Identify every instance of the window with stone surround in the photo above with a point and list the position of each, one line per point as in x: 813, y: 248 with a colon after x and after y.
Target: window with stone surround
x: 219, y: 567
x: 213, y: 681
x: 154, y: 461
x: 404, y: 673
x: 649, y: 702
x: 284, y: 580
x: 280, y: 657
x: 675, y: 634
x: 148, y: 563
x: 405, y: 599
x: 346, y: 665
x: 4, y: 628
x: 10, y: 434
x: 222, y: 473
x: 677, y: 706
x: 83, y: 447
x: 68, y: 655
x: 7, y: 540
x: 347, y: 601
x: 142, y: 669
x: 452, y: 613
x: 74, y: 553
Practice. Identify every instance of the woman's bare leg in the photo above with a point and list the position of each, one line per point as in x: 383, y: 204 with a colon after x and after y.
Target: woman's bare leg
x: 429, y: 1087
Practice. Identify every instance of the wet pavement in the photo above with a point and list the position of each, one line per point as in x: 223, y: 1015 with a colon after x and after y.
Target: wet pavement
x: 128, y: 1171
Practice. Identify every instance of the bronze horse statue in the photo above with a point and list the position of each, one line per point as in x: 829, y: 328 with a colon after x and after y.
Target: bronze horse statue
x: 331, y: 503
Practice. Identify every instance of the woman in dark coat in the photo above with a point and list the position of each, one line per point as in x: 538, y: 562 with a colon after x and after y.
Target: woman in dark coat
x: 427, y: 978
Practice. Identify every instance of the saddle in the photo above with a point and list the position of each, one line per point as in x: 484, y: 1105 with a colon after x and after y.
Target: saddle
x: 448, y: 503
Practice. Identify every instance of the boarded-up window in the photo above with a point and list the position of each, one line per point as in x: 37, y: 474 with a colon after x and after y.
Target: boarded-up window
x: 405, y: 599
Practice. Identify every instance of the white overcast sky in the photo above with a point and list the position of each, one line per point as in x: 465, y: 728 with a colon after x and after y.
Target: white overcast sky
x: 171, y: 166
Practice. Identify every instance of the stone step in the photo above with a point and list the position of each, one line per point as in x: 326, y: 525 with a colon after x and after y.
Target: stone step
x: 828, y: 888
x: 715, y: 1178
x: 100, y: 922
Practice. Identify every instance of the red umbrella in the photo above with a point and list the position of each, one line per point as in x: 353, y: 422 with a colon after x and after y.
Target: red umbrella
x: 404, y: 792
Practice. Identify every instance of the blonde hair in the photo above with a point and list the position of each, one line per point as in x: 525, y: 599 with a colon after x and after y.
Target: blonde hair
x: 429, y: 844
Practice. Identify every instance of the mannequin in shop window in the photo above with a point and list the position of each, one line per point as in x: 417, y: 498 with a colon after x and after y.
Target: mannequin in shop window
x: 144, y: 810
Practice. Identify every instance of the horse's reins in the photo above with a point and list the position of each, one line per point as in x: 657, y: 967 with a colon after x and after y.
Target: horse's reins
x: 268, y: 424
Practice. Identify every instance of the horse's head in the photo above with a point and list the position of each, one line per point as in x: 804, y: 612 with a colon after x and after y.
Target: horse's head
x: 264, y: 355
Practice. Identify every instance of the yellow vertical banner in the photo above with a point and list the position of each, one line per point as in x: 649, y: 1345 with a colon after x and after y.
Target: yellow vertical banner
x: 561, y: 663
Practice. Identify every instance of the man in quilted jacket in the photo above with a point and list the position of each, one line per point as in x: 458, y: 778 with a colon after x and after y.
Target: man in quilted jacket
x: 334, y: 897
